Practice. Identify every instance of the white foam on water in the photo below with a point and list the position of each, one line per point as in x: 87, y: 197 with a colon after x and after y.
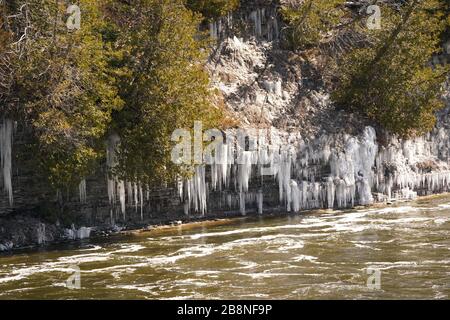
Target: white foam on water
x: 92, y: 248
x: 440, y: 221
x: 303, y: 257
x: 128, y: 248
x: 264, y: 275
x: 403, y: 209
x: 362, y: 246
x: 17, y: 274
x: 144, y: 288
x: 84, y: 258
x: 444, y: 206
x: 393, y: 265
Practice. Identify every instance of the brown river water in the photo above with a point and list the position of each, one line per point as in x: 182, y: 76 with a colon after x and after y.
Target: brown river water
x: 396, y: 252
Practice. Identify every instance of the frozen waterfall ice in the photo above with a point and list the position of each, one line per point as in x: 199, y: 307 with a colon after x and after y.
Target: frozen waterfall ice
x: 336, y: 171
x: 116, y: 187
x: 6, y: 136
x: 82, y: 190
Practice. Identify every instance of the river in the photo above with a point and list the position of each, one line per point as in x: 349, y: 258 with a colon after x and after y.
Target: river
x: 395, y: 252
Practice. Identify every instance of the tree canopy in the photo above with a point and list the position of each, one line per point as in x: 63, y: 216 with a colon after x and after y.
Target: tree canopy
x: 310, y: 20
x: 136, y: 69
x: 386, y: 74
x: 132, y: 69
x: 163, y: 83
x: 62, y: 85
x: 211, y: 9
x: 391, y: 80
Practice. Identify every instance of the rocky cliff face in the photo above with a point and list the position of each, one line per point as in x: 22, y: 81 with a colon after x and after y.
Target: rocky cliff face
x: 319, y: 157
x: 299, y: 153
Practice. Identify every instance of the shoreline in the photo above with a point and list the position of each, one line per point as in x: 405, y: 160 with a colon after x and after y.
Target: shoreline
x: 211, y: 221
x: 167, y: 224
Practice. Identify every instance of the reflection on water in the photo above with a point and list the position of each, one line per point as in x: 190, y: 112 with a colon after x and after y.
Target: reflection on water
x: 311, y: 256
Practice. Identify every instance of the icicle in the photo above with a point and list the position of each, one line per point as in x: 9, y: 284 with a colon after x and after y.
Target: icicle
x: 244, y: 170
x: 358, y: 170
x: 213, y: 30
x: 122, y: 199
x: 180, y: 187
x: 83, y: 233
x: 111, y: 162
x: 141, y: 201
x: 82, y: 190
x: 259, y: 199
x: 365, y: 192
x: 274, y: 32
x: 41, y: 237
x: 304, y: 195
x: 195, y: 190
x: 230, y: 20
x: 6, y: 136
x: 284, y: 179
x: 129, y: 193
x: 136, y: 196
x: 259, y: 15
x: 242, y: 203
x: 295, y: 195
x: 256, y: 17
x: 115, y: 187
x: 330, y: 190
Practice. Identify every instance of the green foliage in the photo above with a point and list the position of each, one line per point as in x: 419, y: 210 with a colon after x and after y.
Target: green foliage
x: 211, y: 9
x: 446, y: 17
x: 164, y: 85
x: 391, y: 80
x: 310, y: 21
x: 66, y: 89
x: 136, y: 70
x: 7, y: 56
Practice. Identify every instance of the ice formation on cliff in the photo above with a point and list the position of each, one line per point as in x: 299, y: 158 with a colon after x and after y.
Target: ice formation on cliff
x: 336, y: 171
x: 77, y: 234
x: 82, y: 191
x: 6, y: 136
x: 116, y: 187
x: 196, y: 189
x: 264, y: 24
x: 119, y: 190
x: 317, y: 170
x: 40, y: 233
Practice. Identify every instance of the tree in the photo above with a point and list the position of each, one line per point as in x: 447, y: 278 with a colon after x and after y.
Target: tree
x: 446, y: 16
x: 11, y: 48
x: 391, y: 81
x: 5, y: 40
x: 309, y: 21
x: 164, y: 85
x: 211, y: 9
x: 63, y: 87
x: 136, y: 70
